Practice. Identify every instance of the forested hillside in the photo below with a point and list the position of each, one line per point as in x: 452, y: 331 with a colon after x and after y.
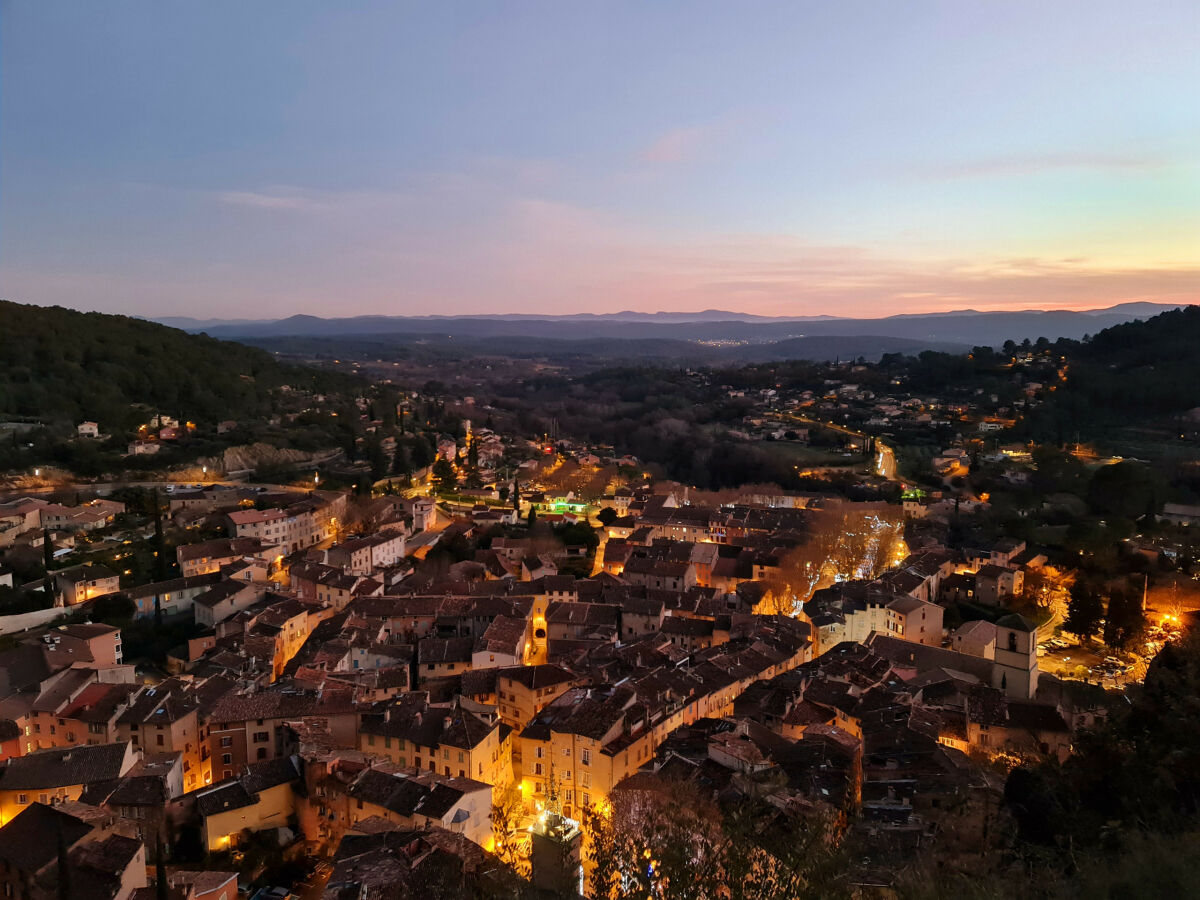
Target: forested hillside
x: 1140, y: 372
x: 58, y: 364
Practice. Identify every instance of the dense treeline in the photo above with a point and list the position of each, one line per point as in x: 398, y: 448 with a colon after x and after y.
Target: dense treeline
x: 67, y: 365
x: 1132, y: 373
x: 673, y: 419
x: 1139, y: 774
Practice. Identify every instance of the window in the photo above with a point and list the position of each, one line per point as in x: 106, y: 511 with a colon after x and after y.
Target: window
x: 370, y: 740
x: 387, y: 743
x: 227, y: 758
x: 160, y: 740
x: 261, y: 737
x: 586, y: 780
x: 587, y: 800
x: 262, y: 752
x: 567, y: 752
x: 22, y: 798
x: 586, y: 757
x: 537, y: 768
x: 539, y: 752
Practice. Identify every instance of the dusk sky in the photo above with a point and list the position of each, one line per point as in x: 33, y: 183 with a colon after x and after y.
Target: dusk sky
x: 255, y: 159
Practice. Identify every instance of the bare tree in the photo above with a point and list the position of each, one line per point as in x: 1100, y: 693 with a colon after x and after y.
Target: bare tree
x: 845, y: 541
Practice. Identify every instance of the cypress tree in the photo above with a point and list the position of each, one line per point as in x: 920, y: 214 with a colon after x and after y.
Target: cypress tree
x: 160, y: 870
x: 64, y: 875
x: 160, y: 555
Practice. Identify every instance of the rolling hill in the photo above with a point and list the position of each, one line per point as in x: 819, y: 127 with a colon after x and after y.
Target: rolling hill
x: 964, y: 328
x: 60, y: 364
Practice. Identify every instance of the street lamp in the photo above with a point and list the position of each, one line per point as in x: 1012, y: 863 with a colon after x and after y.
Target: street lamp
x: 316, y: 478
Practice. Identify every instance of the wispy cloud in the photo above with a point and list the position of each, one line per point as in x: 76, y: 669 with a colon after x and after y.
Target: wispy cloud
x: 285, y: 199
x: 676, y: 146
x: 499, y: 237
x: 1036, y: 164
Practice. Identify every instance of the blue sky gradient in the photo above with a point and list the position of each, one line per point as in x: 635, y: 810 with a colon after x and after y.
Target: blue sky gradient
x: 258, y: 159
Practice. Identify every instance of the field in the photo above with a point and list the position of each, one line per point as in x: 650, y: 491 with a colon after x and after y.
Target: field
x: 804, y: 456
x: 557, y: 475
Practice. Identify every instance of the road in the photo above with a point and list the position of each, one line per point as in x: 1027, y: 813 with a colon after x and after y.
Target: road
x: 885, y: 460
x: 101, y: 487
x: 885, y: 457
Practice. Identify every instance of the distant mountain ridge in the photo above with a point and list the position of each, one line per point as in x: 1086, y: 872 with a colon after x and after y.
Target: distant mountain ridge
x: 188, y: 323
x: 966, y: 327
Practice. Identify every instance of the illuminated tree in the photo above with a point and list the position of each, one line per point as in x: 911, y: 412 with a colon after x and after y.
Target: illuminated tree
x: 844, y: 542
x: 507, y: 812
x: 669, y: 839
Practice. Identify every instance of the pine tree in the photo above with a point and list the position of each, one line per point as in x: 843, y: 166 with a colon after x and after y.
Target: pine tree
x: 1125, y: 619
x: 1084, y: 609
x: 444, y: 479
